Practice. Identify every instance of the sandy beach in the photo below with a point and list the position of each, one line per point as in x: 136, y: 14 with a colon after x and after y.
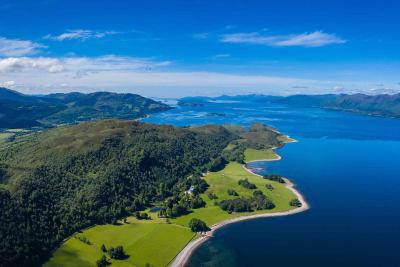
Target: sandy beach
x: 182, y: 258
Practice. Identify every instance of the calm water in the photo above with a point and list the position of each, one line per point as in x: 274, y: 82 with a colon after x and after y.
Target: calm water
x: 348, y: 168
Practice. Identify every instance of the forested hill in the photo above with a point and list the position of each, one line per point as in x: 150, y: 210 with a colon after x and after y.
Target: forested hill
x: 382, y: 105
x: 24, y: 111
x: 61, y: 180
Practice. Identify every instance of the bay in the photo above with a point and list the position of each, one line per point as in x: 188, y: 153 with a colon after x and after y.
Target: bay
x: 346, y: 165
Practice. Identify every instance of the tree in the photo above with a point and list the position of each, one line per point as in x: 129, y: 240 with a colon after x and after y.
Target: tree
x: 212, y: 196
x: 232, y: 192
x: 246, y: 184
x: 269, y: 187
x: 103, y: 248
x: 197, y: 225
x: 295, y: 203
x: 117, y: 253
x: 274, y: 177
x: 102, y: 262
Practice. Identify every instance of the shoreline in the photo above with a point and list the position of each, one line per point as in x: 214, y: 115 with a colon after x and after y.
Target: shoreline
x: 184, y: 255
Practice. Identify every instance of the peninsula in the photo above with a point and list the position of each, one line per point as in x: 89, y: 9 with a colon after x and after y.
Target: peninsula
x: 131, y: 194
x: 183, y: 257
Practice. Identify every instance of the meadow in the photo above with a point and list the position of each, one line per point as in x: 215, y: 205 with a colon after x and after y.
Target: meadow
x: 156, y: 242
x: 251, y: 154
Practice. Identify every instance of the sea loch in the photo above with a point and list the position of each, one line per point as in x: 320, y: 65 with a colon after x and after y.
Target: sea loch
x: 347, y: 167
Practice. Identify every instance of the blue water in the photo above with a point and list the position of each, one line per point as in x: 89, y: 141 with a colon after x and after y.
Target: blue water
x: 348, y: 168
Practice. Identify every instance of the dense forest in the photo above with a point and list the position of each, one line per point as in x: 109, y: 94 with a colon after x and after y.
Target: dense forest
x: 67, y: 178
x: 26, y: 111
x: 98, y: 172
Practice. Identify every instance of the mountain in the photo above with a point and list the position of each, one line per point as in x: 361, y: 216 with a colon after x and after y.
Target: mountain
x: 23, y: 111
x: 7, y: 94
x: 378, y: 105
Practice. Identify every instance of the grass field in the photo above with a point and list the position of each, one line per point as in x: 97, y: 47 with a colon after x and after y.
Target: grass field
x: 4, y: 136
x: 228, y: 178
x: 156, y: 242
x: 251, y: 154
x: 17, y: 130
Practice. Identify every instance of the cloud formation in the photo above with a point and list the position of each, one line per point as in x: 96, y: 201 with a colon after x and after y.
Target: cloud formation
x: 7, y: 84
x: 78, y: 65
x: 126, y: 74
x: 314, y: 39
x: 17, y: 48
x: 19, y: 64
x: 79, y: 34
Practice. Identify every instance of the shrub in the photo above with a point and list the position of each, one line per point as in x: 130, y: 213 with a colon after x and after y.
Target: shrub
x: 235, y: 205
x: 196, y: 202
x: 246, y: 184
x: 117, y: 253
x: 232, y: 192
x: 102, y: 262
x: 258, y: 202
x: 295, y: 203
x: 274, y: 177
x: 197, y: 225
x: 258, y: 193
x: 217, y: 164
x: 212, y: 196
x: 142, y: 216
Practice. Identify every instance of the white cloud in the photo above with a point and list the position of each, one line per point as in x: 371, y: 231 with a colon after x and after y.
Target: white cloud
x: 314, y: 39
x: 79, y: 34
x: 78, y: 66
x: 16, y: 47
x: 19, y: 64
x: 7, y: 84
x: 90, y: 75
x: 124, y: 74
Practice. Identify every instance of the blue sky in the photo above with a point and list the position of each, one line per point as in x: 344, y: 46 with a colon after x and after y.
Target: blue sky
x: 177, y: 48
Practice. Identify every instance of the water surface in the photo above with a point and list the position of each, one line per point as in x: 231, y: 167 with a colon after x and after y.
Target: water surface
x: 347, y: 166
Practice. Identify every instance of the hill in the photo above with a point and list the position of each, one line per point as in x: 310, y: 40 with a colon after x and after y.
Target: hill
x: 58, y: 181
x: 377, y: 105
x: 22, y: 111
x: 381, y: 105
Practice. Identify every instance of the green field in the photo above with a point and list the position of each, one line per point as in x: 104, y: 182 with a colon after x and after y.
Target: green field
x: 228, y: 178
x: 251, y: 154
x: 156, y: 242
x: 4, y: 136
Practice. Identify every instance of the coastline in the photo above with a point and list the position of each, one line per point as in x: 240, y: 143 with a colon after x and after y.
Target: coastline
x: 183, y: 257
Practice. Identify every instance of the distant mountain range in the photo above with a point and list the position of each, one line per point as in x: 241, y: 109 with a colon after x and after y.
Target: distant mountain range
x: 378, y: 105
x: 24, y: 111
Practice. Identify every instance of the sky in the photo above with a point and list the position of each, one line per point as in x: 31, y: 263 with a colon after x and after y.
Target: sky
x: 181, y: 48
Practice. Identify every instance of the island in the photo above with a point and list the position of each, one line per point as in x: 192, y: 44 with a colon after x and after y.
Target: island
x: 124, y: 193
